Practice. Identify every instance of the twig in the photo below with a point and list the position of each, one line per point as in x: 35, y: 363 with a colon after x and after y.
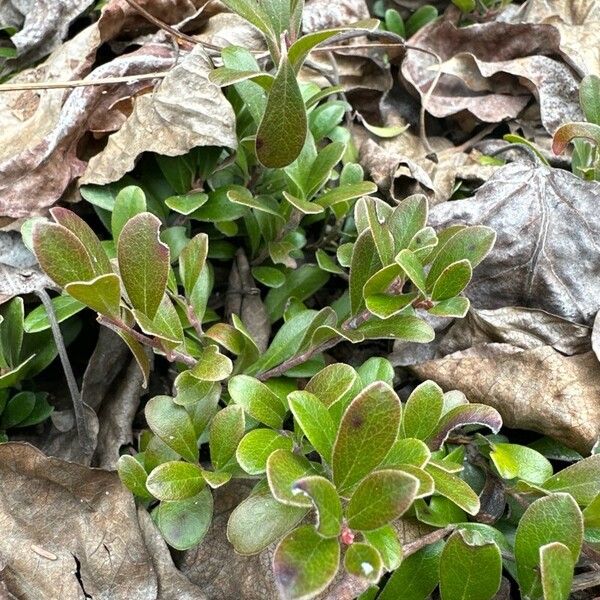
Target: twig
x: 83, y: 433
x: 54, y: 85
x: 426, y: 540
x: 584, y: 581
x: 173, y: 355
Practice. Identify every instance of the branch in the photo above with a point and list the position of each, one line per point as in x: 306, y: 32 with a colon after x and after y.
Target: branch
x: 83, y: 434
x: 426, y: 540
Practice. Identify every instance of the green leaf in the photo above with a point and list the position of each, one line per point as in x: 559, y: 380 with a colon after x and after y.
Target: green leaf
x: 464, y: 414
x: 326, y: 501
x: 284, y: 468
x: 362, y: 560
x: 129, y: 202
x: 11, y: 332
x: 454, y: 488
x: 260, y: 520
x: 324, y: 119
x: 347, y: 192
x: 186, y: 204
x: 85, y: 234
x: 285, y: 111
x: 269, y: 276
x: 226, y: 430
x: 173, y: 425
x: 102, y: 294
x: 409, y: 451
x: 423, y: 15
x: 332, y: 383
x: 257, y: 445
x: 452, y: 281
x: 581, y: 480
x: 470, y: 568
x: 407, y: 219
x: 212, y: 365
x: 219, y: 207
x: 557, y: 567
x: 253, y: 13
x: 41, y: 411
x: 453, y: 307
x: 423, y: 410
x: 17, y: 409
x: 184, y: 523
x: 471, y: 243
x: 554, y: 518
x: 380, y: 498
x: 515, y: 461
x: 416, y: 577
x: 394, y: 22
x: 60, y: 254
x: 257, y: 400
x: 139, y: 353
x: 305, y: 563
x: 589, y: 98
x: 413, y: 268
x: 134, y: 476
x: 401, y: 327
x: 320, y: 171
x: 216, y: 479
x: 224, y: 76
x: 367, y: 431
x: 64, y: 308
x: 175, y: 480
x: 300, y: 283
x: 385, y: 541
x: 192, y: 260
x: 314, y: 419
x: 143, y: 263
x: 365, y: 263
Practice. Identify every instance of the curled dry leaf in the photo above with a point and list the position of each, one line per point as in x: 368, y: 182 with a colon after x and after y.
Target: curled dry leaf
x: 70, y: 529
x: 42, y: 25
x: 536, y: 262
x: 327, y: 14
x: 578, y: 24
x: 184, y: 112
x: 505, y: 46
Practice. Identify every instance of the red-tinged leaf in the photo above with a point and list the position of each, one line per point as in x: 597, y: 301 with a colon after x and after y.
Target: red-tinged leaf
x: 139, y: 353
x: 466, y: 414
x: 565, y: 134
x: 102, y: 294
x: 143, y: 262
x: 86, y: 236
x: 61, y: 255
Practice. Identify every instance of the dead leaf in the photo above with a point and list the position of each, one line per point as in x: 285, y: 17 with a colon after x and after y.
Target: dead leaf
x: 540, y: 389
x: 551, y: 82
x: 578, y: 24
x: 42, y: 26
x: 68, y: 531
x: 327, y: 14
x: 494, y: 42
x: 41, y: 131
x: 537, y: 261
x: 184, y: 112
x: 524, y: 328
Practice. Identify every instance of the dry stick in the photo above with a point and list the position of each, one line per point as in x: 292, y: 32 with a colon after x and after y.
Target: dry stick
x: 426, y: 540
x: 78, y: 407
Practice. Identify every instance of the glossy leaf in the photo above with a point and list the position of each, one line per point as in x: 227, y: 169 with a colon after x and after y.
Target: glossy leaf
x: 143, y: 263
x: 192, y: 260
x: 380, y: 498
x: 212, y: 365
x: 226, y: 431
x: 581, y: 480
x: 284, y: 468
x: 129, y: 202
x: 367, y: 431
x: 133, y: 475
x: 516, y: 461
x: 305, y: 563
x: 362, y: 560
x: 102, y: 294
x: 454, y: 488
x: 64, y: 308
x: 452, y: 280
x: 326, y: 502
x: 557, y: 567
x: 423, y: 410
x: 257, y: 400
x: 257, y: 445
x: 385, y: 541
x: 175, y: 480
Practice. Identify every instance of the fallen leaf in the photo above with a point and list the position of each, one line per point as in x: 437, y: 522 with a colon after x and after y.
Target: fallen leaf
x: 42, y: 26
x: 540, y: 389
x: 494, y: 42
x: 184, y: 112
x: 536, y: 262
x: 328, y: 14
x: 73, y: 532
x: 578, y: 24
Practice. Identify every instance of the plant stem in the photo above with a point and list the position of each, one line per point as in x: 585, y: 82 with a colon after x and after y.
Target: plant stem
x: 173, y: 355
x: 426, y: 540
x: 83, y: 433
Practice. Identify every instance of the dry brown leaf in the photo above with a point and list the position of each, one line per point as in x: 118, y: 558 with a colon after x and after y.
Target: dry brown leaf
x: 490, y: 43
x: 327, y: 14
x: 41, y: 130
x: 68, y: 531
x: 578, y: 23
x: 184, y: 112
x: 540, y: 389
x: 537, y: 261
x: 42, y: 26
x: 551, y: 82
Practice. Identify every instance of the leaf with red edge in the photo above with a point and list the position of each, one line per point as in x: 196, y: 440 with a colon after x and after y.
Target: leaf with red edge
x: 565, y: 134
